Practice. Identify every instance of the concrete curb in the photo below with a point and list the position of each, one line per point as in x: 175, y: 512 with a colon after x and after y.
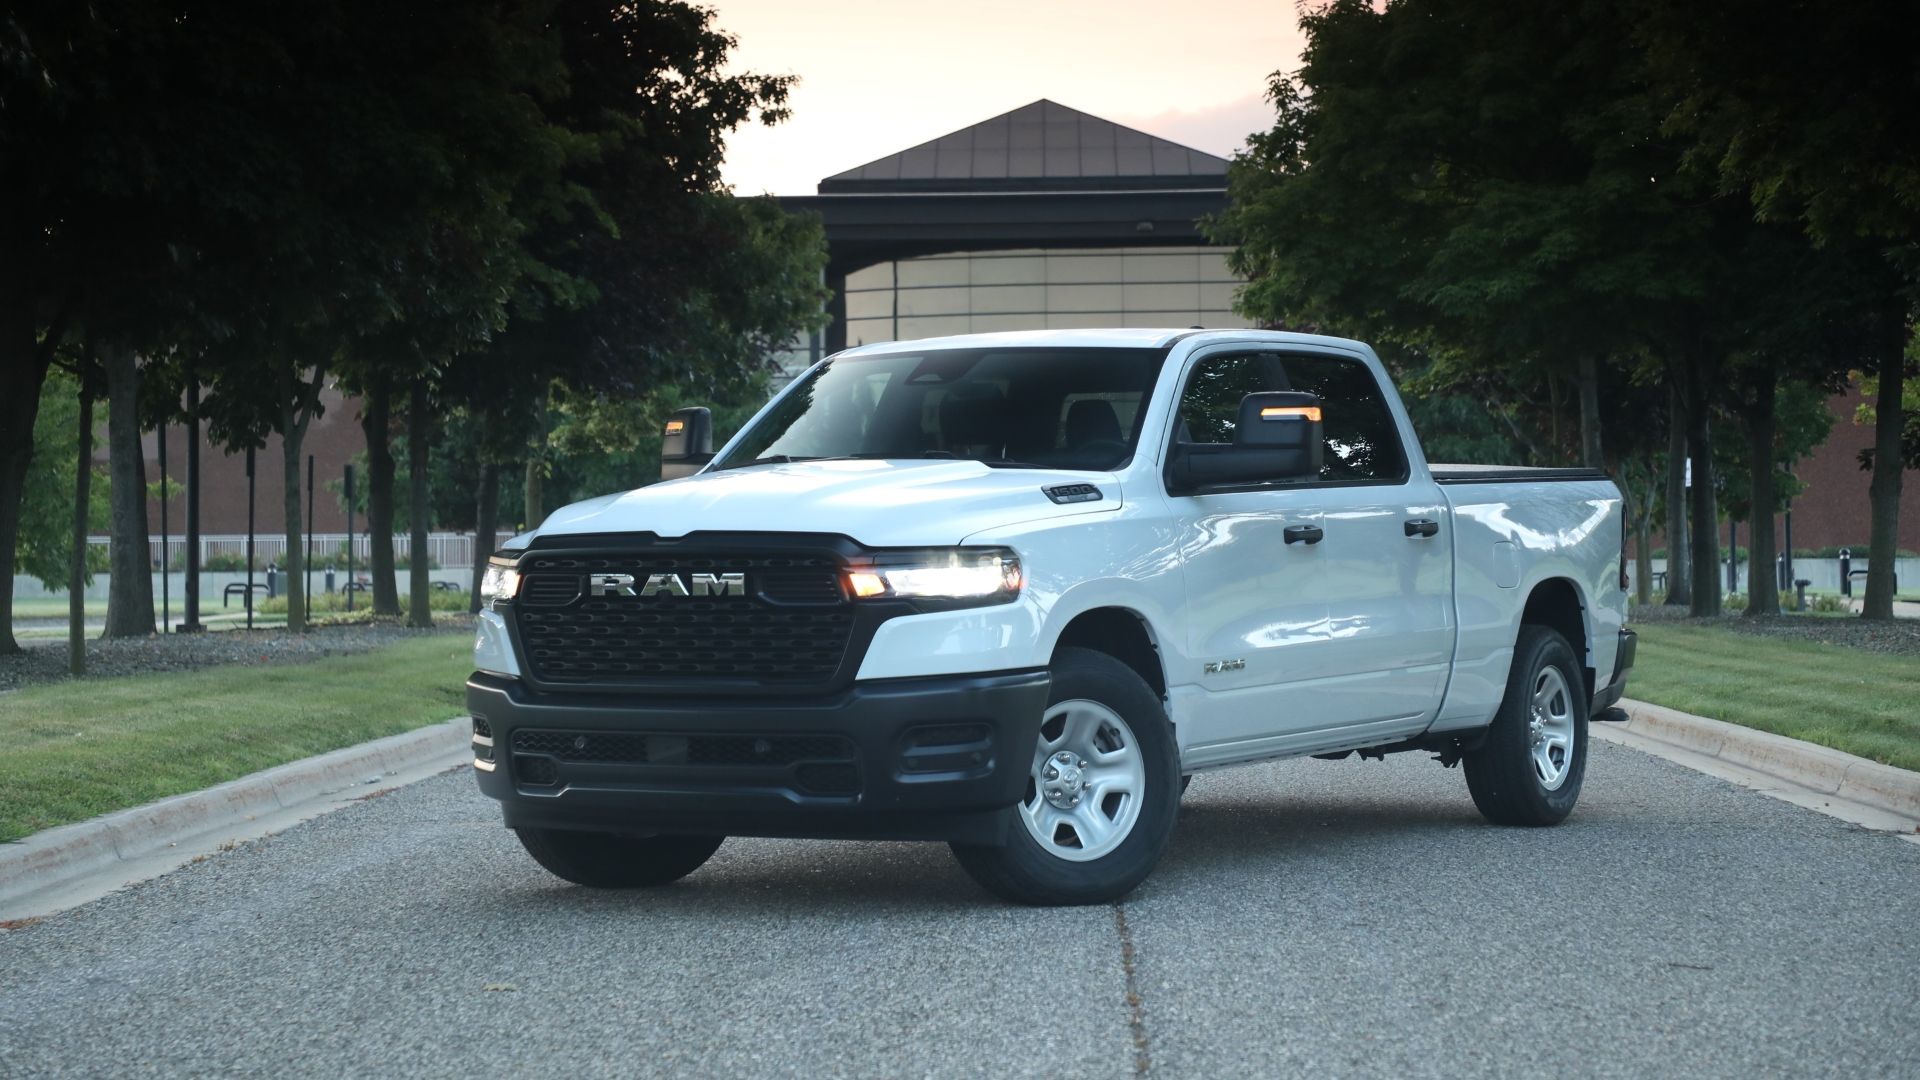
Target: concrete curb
x: 48, y: 862
x: 1816, y: 768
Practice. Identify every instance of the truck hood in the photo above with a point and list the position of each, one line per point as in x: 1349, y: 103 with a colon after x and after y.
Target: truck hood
x: 906, y: 503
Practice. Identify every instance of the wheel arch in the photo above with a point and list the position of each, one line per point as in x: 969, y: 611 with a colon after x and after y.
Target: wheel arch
x: 1556, y: 603
x: 1121, y: 633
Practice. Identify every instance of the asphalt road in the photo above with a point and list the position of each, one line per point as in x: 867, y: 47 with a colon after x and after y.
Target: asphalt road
x: 1313, y: 919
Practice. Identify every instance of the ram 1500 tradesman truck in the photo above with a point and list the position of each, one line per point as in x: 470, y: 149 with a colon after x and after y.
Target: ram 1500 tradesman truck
x: 1011, y: 591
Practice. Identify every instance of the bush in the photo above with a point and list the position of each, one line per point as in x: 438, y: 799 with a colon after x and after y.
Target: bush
x: 1826, y: 604
x: 227, y: 564
x: 1833, y: 552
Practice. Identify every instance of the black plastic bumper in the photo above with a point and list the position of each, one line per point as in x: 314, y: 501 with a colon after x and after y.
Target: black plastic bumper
x: 908, y: 759
x: 1616, y: 687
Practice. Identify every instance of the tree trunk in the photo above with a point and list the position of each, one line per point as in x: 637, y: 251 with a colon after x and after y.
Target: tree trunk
x: 1763, y: 586
x: 1702, y: 528
x: 419, y: 588
x: 376, y: 420
x: 1883, y: 492
x: 1647, y: 479
x: 294, y: 417
x: 533, y: 493
x: 486, y: 522
x: 1553, y: 431
x: 1590, y: 450
x: 77, y: 560
x: 130, y: 584
x: 1679, y: 565
x: 23, y: 370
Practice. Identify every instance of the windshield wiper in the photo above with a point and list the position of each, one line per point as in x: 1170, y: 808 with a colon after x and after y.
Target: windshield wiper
x: 1004, y: 463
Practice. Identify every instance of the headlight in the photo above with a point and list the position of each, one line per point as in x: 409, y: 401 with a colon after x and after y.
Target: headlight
x: 501, y: 582
x: 968, y: 575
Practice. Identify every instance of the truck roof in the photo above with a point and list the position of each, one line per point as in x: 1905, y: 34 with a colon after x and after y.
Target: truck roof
x: 1131, y: 337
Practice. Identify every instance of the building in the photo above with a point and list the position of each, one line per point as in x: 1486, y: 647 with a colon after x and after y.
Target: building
x: 1041, y: 217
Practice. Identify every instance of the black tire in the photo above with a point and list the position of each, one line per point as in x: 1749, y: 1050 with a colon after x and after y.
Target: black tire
x: 1506, y: 784
x: 1185, y: 781
x: 1025, y: 872
x: 611, y: 861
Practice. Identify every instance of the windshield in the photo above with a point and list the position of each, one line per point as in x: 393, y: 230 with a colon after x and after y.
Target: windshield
x: 1052, y: 408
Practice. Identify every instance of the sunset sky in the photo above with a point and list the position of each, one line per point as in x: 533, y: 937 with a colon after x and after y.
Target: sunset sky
x: 879, y: 76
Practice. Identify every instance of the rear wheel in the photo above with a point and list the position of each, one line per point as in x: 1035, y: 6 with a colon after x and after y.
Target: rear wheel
x: 611, y: 861
x: 1530, y: 768
x: 1101, y: 795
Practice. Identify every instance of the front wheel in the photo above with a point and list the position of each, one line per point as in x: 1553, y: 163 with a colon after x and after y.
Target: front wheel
x: 1101, y: 794
x: 1530, y: 768
x: 610, y: 861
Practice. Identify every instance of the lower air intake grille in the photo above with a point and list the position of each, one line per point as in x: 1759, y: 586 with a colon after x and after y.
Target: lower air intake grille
x: 646, y: 748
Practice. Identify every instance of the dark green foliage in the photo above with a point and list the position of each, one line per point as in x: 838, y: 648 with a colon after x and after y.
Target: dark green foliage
x: 46, y: 534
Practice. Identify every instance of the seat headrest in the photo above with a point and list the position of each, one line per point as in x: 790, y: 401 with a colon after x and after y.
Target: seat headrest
x: 973, y: 415
x: 1092, y: 420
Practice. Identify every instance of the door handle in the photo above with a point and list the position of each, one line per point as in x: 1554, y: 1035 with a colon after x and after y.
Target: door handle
x: 1303, y: 534
x: 1421, y: 527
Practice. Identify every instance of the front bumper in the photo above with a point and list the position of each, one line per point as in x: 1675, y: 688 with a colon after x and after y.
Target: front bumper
x: 1616, y: 687
x: 939, y: 758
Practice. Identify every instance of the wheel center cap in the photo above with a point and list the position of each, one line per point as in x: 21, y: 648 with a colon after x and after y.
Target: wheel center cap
x: 1063, y: 780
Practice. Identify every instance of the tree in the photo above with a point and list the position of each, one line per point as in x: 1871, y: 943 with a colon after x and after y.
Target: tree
x: 1838, y: 154
x: 652, y: 275
x: 1490, y: 183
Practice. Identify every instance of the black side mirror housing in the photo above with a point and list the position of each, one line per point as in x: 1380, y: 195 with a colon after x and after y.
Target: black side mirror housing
x: 687, y: 443
x: 1278, y: 438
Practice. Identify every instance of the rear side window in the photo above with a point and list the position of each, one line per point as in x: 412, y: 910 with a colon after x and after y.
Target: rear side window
x: 1362, y: 443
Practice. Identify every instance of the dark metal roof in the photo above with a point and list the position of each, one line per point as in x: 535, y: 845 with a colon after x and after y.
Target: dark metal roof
x: 1044, y: 146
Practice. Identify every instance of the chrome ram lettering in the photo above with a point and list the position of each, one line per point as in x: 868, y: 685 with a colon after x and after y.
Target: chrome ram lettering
x: 669, y: 584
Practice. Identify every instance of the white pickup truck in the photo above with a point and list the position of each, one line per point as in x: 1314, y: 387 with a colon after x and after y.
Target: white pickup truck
x: 1011, y: 591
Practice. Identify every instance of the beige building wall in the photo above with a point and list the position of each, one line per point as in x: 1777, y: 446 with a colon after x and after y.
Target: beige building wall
x: 983, y: 292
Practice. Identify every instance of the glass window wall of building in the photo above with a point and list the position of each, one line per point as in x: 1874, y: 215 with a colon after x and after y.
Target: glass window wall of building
x: 983, y: 292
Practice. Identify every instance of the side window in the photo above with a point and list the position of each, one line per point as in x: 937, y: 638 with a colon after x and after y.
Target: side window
x: 1210, y: 407
x: 1361, y: 440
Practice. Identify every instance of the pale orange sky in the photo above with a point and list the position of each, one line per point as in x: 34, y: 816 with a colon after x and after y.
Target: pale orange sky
x: 877, y: 76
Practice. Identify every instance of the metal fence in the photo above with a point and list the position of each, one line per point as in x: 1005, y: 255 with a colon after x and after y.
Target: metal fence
x: 447, y: 549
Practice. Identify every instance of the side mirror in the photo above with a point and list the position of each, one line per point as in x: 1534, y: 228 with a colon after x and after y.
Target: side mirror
x: 687, y: 443
x: 1278, y: 438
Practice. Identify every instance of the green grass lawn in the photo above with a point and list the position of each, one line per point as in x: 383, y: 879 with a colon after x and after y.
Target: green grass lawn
x: 1859, y: 702
x: 74, y: 750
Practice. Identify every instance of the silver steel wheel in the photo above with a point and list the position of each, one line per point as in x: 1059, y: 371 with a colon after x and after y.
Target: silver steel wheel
x: 1088, y: 778
x: 1550, y: 728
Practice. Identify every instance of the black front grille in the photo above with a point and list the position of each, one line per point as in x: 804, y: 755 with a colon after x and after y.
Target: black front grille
x: 791, y: 628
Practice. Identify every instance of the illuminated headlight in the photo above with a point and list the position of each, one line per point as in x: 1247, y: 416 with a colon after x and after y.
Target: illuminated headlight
x: 500, y: 582
x: 967, y: 575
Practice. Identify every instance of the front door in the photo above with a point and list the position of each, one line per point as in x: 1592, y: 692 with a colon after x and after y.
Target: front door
x: 1306, y: 644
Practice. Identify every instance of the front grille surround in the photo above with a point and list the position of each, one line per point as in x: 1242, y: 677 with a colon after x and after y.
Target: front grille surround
x: 797, y: 631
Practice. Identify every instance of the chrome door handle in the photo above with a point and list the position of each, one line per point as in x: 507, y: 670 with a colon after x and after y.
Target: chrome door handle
x: 1303, y: 534
x: 1421, y: 527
